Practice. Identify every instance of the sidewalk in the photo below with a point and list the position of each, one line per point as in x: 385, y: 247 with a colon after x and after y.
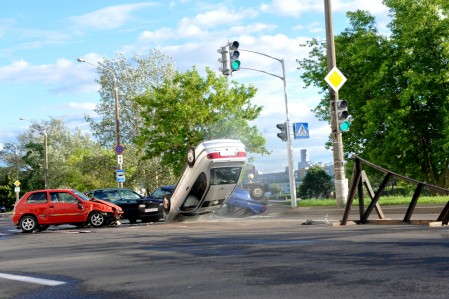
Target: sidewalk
x: 396, y: 213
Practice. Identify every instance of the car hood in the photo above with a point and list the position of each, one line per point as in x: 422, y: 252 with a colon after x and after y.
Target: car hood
x: 107, y: 203
x: 153, y: 199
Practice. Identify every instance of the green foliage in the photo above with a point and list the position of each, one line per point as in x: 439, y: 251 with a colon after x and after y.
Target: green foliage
x: 188, y: 109
x: 316, y: 184
x: 133, y: 76
x: 397, y: 88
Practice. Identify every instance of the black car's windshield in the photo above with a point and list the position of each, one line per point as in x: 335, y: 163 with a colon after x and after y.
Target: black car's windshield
x: 116, y: 195
x: 128, y: 194
x: 160, y: 192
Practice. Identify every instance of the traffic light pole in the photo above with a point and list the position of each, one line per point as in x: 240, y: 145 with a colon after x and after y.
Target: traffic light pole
x: 291, y: 170
x: 341, y: 183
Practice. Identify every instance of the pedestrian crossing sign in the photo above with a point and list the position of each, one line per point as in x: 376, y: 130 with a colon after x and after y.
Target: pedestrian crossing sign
x: 301, y: 130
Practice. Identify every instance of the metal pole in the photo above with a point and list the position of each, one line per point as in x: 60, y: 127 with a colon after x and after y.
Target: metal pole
x: 117, y: 121
x: 46, y: 159
x: 341, y: 184
x: 291, y: 170
x: 117, y: 114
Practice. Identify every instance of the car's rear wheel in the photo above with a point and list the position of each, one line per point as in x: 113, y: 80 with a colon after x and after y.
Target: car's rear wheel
x: 28, y: 223
x: 256, y: 191
x: 96, y: 219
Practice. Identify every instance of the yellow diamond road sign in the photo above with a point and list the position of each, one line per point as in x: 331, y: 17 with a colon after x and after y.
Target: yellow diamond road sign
x: 335, y: 79
x: 17, y: 183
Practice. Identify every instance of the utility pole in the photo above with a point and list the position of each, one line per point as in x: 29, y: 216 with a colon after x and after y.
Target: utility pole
x: 341, y: 183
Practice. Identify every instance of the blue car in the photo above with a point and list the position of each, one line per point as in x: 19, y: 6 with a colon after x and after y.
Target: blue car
x: 2, y: 209
x: 240, y: 204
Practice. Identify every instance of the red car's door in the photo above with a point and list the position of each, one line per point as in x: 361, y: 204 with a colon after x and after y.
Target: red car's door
x: 64, y: 208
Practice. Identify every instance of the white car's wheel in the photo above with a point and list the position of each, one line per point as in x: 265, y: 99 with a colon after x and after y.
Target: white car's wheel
x: 166, y: 204
x: 191, y: 156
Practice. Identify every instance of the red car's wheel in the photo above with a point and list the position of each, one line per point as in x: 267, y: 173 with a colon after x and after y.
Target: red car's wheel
x: 96, y: 219
x: 28, y: 223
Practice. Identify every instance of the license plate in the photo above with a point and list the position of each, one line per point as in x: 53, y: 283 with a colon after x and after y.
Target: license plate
x: 151, y: 210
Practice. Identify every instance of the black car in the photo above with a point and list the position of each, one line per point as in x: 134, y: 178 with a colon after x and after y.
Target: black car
x: 161, y: 191
x: 134, y: 205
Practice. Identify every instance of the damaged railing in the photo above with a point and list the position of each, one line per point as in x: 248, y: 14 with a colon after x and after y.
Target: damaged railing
x: 360, y: 179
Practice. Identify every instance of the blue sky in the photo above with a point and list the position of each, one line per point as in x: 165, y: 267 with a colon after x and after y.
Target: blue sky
x: 41, y: 40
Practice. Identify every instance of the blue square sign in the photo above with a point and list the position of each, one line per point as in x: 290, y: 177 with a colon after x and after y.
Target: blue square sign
x: 301, y: 130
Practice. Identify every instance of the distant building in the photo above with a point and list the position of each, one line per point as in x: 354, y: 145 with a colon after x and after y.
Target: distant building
x: 281, y: 179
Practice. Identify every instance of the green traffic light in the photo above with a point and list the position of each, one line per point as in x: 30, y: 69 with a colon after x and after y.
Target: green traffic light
x: 344, y: 126
x: 235, y: 65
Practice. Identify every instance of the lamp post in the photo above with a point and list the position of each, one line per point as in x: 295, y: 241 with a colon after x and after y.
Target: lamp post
x: 16, y: 163
x: 43, y: 131
x: 117, y: 116
x: 291, y: 170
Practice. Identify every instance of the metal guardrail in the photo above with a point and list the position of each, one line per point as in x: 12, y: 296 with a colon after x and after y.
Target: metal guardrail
x: 359, y: 180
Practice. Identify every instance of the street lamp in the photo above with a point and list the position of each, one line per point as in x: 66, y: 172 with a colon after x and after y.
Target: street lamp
x: 16, y: 164
x: 291, y: 170
x: 43, y: 131
x: 117, y: 116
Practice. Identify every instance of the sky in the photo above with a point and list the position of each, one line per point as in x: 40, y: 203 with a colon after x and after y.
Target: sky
x: 40, y: 42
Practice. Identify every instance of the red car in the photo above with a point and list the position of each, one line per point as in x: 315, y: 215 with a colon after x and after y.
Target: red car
x: 39, y: 209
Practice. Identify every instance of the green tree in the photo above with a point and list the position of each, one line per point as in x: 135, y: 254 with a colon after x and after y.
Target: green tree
x: 397, y: 88
x: 316, y: 184
x: 74, y: 159
x: 133, y: 78
x: 188, y: 109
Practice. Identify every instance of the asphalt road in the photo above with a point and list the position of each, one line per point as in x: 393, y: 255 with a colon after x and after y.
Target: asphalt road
x: 270, y: 256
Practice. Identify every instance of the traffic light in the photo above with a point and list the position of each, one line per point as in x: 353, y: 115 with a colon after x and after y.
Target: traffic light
x: 343, y: 117
x: 234, y: 56
x: 283, y: 133
x: 224, y: 61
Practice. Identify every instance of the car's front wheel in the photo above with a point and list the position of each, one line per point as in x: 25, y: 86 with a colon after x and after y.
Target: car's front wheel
x: 96, y: 219
x: 28, y: 224
x: 256, y: 191
x: 191, y: 156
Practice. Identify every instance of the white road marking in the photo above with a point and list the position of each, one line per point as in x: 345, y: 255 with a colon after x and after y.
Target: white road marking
x: 29, y: 279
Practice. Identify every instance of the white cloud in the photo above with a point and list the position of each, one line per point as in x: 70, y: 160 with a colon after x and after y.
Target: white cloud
x: 292, y: 8
x: 110, y: 17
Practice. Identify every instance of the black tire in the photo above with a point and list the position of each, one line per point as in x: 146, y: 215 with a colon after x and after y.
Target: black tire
x: 41, y: 228
x: 132, y: 220
x: 191, y: 156
x: 166, y: 204
x: 96, y: 219
x: 256, y: 191
x: 28, y: 224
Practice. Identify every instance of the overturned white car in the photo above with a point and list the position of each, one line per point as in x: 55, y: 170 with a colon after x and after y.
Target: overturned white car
x: 213, y: 170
